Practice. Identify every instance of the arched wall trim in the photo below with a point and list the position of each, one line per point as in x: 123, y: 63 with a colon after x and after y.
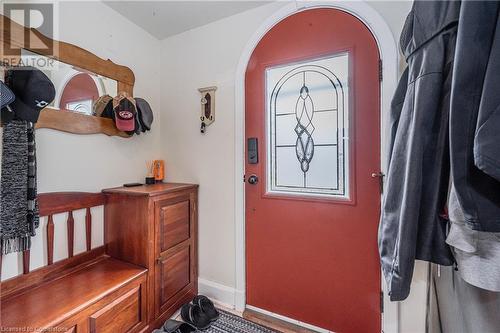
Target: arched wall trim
x: 390, y: 59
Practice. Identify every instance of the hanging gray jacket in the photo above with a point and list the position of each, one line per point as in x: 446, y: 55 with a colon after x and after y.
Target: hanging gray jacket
x: 411, y: 226
x: 475, y: 115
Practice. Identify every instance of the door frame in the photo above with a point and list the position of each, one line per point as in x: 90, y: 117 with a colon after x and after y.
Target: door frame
x: 390, y: 58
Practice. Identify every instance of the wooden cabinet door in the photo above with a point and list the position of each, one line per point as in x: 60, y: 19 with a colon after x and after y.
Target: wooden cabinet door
x: 173, y: 276
x: 175, y: 270
x: 174, y: 219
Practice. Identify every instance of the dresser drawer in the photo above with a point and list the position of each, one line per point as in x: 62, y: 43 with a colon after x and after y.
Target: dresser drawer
x: 121, y: 315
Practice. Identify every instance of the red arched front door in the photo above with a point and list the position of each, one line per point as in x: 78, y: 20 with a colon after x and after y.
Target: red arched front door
x: 312, y: 206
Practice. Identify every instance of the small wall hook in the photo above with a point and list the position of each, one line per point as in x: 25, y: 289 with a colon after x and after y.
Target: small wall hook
x: 207, y: 107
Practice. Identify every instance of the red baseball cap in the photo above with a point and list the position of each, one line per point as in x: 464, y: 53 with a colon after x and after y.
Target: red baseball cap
x: 125, y: 111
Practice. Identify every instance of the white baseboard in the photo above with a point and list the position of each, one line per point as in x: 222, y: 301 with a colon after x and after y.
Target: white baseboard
x: 239, y: 300
x: 219, y: 293
x: 289, y: 320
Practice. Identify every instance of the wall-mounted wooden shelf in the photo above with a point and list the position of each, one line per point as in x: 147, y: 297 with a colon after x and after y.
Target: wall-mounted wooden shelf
x: 76, y: 123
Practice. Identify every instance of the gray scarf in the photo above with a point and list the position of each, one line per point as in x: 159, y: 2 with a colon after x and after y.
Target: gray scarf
x: 18, y: 205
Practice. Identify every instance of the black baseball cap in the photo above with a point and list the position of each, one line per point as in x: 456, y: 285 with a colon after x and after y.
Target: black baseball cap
x: 138, y: 126
x: 145, y: 114
x: 33, y: 91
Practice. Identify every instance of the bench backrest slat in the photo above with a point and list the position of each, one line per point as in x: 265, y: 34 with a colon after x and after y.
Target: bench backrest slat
x: 88, y: 228
x: 71, y: 233
x: 26, y: 262
x: 51, y: 204
x: 50, y: 240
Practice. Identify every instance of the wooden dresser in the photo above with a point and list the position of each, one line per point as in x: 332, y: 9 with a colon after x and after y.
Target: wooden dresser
x: 155, y: 226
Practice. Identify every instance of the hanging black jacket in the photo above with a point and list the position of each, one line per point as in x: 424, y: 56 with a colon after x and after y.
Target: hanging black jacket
x: 411, y: 226
x: 475, y: 115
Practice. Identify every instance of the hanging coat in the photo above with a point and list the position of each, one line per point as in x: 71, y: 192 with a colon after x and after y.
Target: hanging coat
x: 411, y: 226
x: 475, y: 115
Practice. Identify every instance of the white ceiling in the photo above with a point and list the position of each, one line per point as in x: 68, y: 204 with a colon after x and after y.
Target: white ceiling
x: 167, y: 18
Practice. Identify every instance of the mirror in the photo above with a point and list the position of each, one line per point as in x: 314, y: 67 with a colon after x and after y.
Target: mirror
x: 80, y: 78
x: 76, y: 89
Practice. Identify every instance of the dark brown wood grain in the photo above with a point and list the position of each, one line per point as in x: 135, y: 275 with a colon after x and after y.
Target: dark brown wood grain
x: 26, y: 262
x: 60, y: 299
x: 71, y: 233
x: 62, y: 202
x: 151, y: 190
x: 88, y: 228
x: 119, y: 316
x: 51, y: 204
x: 127, y: 229
x: 173, y: 275
x: 71, y: 329
x: 155, y: 226
x: 174, y: 224
x: 50, y: 240
x: 81, y: 322
x: 19, y: 284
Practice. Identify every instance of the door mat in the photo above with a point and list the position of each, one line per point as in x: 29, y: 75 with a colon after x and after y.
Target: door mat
x: 230, y: 323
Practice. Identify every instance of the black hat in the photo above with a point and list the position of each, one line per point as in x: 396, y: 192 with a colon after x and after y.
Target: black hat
x: 145, y: 114
x: 6, y: 96
x: 138, y: 126
x: 33, y: 91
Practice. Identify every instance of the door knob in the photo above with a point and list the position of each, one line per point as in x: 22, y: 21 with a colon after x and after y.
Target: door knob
x: 380, y: 176
x: 253, y: 179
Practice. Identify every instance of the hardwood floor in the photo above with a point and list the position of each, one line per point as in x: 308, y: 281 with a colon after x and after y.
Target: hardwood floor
x: 274, y: 323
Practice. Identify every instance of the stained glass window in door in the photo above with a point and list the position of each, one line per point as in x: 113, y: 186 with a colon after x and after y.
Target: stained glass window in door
x: 308, y: 127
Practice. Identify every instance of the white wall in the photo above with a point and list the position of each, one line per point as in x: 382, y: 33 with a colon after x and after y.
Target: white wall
x: 69, y: 162
x: 208, y: 56
x: 203, y: 57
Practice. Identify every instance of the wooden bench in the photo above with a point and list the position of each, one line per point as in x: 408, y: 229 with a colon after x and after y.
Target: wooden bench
x: 87, y: 292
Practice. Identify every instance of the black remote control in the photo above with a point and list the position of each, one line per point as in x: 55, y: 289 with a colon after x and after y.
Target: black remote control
x: 132, y: 184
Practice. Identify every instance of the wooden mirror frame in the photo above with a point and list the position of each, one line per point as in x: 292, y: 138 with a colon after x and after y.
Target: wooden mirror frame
x: 64, y: 120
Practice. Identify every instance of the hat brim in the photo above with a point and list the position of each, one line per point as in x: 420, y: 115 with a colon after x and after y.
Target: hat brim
x: 24, y: 112
x: 7, y: 115
x: 125, y: 124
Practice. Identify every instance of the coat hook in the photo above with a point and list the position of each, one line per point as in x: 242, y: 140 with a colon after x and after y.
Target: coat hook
x: 207, y: 107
